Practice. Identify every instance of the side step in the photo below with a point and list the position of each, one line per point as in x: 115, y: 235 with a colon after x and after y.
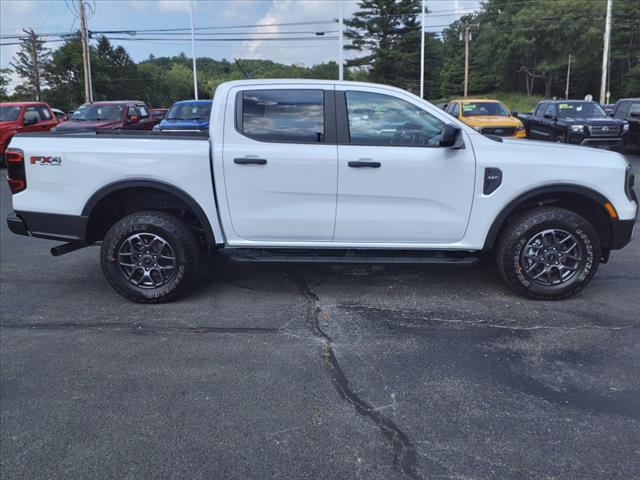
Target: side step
x: 407, y: 257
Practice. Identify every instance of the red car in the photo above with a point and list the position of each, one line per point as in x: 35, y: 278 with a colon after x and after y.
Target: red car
x: 23, y: 117
x: 116, y: 115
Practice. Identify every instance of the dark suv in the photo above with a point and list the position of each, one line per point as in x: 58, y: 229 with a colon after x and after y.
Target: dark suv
x: 628, y: 109
x: 118, y: 115
x: 575, y: 121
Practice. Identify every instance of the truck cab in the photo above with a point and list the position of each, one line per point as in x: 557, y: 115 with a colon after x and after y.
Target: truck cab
x: 18, y: 117
x: 628, y: 110
x: 112, y: 115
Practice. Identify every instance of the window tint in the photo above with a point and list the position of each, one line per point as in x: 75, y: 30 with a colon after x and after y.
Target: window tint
x: 44, y: 113
x: 377, y: 119
x: 635, y: 109
x: 143, y: 111
x: 31, y: 112
x: 283, y: 115
x: 455, y: 111
x: 132, y: 112
x: 551, y: 109
x: 540, y: 109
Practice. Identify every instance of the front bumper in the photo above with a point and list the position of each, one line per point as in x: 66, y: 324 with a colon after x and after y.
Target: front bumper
x: 621, y: 233
x: 68, y: 228
x: 598, y: 142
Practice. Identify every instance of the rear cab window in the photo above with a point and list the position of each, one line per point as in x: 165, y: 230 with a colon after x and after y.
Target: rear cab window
x: 282, y: 115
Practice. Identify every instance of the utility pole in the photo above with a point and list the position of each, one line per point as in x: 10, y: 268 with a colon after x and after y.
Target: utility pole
x: 566, y: 90
x: 35, y: 68
x: 86, y: 61
x: 193, y: 54
x: 422, y: 50
x: 341, y: 43
x: 467, y: 29
x: 605, y: 53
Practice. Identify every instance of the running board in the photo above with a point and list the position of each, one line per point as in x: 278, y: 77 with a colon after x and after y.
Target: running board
x: 407, y: 257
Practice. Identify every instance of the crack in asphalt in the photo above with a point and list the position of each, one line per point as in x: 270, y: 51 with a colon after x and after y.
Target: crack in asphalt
x: 412, y: 315
x: 404, y: 452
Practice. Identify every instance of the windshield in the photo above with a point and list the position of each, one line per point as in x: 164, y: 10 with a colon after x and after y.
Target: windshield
x: 581, y: 109
x: 474, y: 109
x: 189, y: 112
x: 9, y: 114
x: 97, y: 113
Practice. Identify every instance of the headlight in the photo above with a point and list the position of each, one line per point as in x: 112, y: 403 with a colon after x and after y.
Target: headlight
x: 478, y: 129
x: 577, y: 128
x: 625, y: 128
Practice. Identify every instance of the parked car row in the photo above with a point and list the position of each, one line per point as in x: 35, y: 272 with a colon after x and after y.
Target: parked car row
x: 579, y: 122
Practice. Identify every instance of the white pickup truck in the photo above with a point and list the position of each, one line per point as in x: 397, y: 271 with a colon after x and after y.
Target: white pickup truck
x: 305, y: 170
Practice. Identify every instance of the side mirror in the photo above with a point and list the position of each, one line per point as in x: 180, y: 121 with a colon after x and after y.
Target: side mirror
x: 514, y: 114
x: 134, y: 119
x: 450, y: 135
x: 548, y: 116
x: 30, y: 121
x: 634, y: 115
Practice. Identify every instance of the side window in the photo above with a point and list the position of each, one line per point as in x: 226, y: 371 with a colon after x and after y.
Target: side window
x: 295, y: 116
x: 143, y: 111
x: 378, y: 119
x: 634, y: 110
x: 132, y: 112
x: 31, y: 112
x: 456, y: 110
x: 551, y: 109
x: 44, y: 112
x: 540, y: 110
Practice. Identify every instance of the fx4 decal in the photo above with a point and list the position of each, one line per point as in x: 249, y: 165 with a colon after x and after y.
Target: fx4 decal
x: 55, y: 161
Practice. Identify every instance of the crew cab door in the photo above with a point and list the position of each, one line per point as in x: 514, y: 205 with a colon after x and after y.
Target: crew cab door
x: 396, y: 184
x: 542, y: 125
x: 280, y: 162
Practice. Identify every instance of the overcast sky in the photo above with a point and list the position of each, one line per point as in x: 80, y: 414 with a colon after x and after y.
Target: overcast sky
x: 55, y: 16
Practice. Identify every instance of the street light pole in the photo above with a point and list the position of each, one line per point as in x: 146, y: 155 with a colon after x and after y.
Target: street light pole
x: 605, y: 53
x: 466, y: 59
x: 193, y: 55
x: 422, y: 50
x: 341, y: 43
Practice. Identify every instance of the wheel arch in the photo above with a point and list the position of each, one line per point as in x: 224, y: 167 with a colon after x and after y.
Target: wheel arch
x: 579, y: 199
x: 112, y: 190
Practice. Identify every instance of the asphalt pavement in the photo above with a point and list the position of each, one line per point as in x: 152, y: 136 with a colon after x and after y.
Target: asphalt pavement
x: 315, y: 372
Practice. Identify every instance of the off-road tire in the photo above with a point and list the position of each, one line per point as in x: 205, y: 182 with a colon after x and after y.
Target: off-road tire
x: 523, y: 228
x: 175, y: 232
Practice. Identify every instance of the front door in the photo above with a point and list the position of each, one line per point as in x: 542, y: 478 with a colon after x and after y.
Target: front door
x: 396, y: 184
x: 280, y: 163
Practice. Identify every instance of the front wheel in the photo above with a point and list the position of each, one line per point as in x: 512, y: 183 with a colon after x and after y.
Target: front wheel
x: 548, y: 253
x: 149, y: 257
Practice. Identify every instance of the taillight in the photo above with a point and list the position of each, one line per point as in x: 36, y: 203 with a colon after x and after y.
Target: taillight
x: 16, y: 175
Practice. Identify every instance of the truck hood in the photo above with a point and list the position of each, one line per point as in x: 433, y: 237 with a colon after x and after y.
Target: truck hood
x: 492, y: 120
x: 88, y: 125
x: 559, y: 151
x: 183, y: 124
x: 595, y: 121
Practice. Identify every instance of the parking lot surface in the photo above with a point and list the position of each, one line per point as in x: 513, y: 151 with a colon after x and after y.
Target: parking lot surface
x: 315, y: 372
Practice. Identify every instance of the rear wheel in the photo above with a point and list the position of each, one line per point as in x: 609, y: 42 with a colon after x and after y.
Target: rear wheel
x: 548, y: 253
x: 149, y: 257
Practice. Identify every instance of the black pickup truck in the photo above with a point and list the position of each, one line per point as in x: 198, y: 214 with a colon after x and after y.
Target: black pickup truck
x: 628, y: 109
x: 574, y: 121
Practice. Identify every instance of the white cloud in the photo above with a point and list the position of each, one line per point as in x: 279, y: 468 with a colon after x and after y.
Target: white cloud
x: 308, y: 52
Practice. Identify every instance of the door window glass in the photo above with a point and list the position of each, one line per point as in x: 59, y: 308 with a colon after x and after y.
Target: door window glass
x: 283, y: 115
x: 44, y: 113
x: 143, y: 111
x: 551, y: 109
x: 30, y: 113
x: 378, y: 119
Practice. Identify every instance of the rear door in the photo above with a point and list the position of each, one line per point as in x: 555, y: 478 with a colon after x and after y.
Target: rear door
x: 396, y: 184
x: 280, y: 163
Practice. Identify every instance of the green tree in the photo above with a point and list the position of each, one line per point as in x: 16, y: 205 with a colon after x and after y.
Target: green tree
x: 388, y: 33
x: 64, y: 76
x: 30, y: 63
x: 4, y: 83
